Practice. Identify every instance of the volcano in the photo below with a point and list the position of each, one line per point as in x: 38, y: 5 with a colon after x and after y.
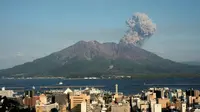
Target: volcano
x: 95, y: 59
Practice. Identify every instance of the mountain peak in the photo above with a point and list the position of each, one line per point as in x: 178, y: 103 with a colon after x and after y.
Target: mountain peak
x: 91, y: 41
x: 94, y: 42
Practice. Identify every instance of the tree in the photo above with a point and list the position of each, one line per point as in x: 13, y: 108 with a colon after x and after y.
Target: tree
x: 54, y: 110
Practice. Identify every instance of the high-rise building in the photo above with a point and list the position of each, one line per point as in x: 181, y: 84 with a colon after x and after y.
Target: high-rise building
x: 178, y: 104
x: 196, y: 93
x: 157, y: 108
x: 85, y: 106
x: 61, y: 99
x: 152, y: 103
x: 75, y: 102
x: 43, y: 99
x: 158, y: 93
x: 190, y: 92
x: 190, y: 100
x: 196, y: 100
x: 183, y: 107
x: 29, y: 93
x: 151, y: 96
x: 164, y: 102
x: 179, y: 93
x: 116, y: 91
x: 53, y: 99
x: 162, y: 94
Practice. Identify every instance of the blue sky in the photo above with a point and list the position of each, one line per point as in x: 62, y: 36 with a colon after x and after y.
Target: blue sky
x: 30, y: 29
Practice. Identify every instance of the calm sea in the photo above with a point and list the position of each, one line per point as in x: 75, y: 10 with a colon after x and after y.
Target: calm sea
x: 127, y: 86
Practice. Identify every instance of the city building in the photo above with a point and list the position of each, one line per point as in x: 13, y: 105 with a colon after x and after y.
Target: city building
x: 157, y: 108
x: 152, y: 103
x: 96, y: 100
x: 76, y: 92
x: 7, y: 93
x: 46, y: 107
x: 196, y: 110
x: 164, y: 102
x: 116, y: 92
x: 63, y: 108
x: 85, y: 106
x: 29, y: 93
x: 43, y: 99
x: 68, y: 91
x: 196, y: 93
x: 61, y: 99
x: 183, y: 107
x: 179, y: 93
x: 190, y: 100
x: 75, y: 102
x: 94, y: 91
x: 196, y: 100
x: 144, y: 108
x: 190, y: 92
x: 178, y: 104
x: 120, y: 108
x: 158, y: 93
x: 30, y: 101
x: 151, y: 96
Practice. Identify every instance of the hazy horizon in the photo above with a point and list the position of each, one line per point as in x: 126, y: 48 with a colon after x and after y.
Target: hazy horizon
x: 34, y: 29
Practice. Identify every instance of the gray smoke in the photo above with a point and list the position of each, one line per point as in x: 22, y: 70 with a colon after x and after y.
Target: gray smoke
x: 140, y: 28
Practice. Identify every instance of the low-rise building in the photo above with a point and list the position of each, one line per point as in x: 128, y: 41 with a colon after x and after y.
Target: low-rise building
x: 46, y: 107
x: 7, y: 93
x: 120, y: 108
x: 30, y: 101
x: 144, y: 108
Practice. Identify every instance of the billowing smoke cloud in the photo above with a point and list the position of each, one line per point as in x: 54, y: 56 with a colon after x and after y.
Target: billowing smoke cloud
x: 140, y: 28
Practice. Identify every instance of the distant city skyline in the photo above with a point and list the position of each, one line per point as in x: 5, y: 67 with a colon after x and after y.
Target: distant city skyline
x: 33, y: 29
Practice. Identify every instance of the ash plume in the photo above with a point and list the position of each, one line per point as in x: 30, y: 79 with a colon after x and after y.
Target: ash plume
x: 140, y: 28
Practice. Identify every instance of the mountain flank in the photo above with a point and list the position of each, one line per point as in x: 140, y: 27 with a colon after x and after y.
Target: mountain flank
x: 95, y: 59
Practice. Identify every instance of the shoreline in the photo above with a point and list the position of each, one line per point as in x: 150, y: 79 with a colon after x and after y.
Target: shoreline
x: 111, y: 77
